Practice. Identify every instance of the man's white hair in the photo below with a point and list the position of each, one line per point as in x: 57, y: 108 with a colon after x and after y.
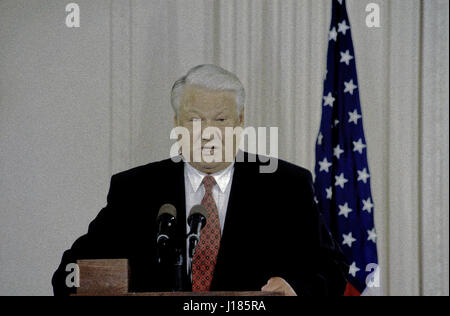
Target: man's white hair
x: 211, y: 77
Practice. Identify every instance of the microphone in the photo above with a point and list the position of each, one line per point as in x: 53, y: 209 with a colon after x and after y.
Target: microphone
x: 166, y: 222
x: 170, y: 258
x: 196, y: 220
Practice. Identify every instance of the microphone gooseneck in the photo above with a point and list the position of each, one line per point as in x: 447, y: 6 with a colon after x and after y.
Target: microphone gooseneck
x: 166, y: 223
x: 196, y: 220
x: 169, y: 257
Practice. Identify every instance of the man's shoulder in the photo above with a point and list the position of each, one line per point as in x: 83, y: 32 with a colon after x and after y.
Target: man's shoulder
x: 282, y: 168
x: 155, y: 169
x: 292, y: 169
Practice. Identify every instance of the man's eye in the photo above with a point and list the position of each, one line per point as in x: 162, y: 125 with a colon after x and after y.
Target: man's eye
x: 220, y: 119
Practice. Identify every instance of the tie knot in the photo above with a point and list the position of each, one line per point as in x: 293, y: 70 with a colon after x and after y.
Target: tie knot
x: 208, y: 182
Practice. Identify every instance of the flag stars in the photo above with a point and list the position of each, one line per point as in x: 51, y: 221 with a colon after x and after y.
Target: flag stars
x: 348, y: 239
x: 329, y: 100
x: 319, y: 139
x: 353, y: 269
x: 343, y: 27
x: 329, y: 193
x: 344, y: 210
x: 354, y: 117
x: 363, y: 175
x: 333, y: 34
x: 341, y: 141
x: 359, y: 146
x: 338, y: 151
x: 346, y: 57
x: 367, y: 205
x: 372, y: 235
x: 340, y: 180
x: 349, y: 87
x: 325, y: 165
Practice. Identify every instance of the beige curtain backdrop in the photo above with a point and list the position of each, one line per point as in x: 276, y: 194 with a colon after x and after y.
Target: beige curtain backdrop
x: 78, y: 105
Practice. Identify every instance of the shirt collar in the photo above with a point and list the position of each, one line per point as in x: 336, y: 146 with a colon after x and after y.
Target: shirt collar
x: 222, y: 177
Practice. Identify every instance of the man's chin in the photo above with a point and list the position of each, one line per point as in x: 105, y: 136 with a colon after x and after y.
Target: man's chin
x: 210, y: 167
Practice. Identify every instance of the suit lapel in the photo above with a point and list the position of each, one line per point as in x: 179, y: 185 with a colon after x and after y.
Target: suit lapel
x: 232, y: 219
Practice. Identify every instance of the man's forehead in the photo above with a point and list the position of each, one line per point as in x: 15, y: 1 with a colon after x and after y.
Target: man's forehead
x: 196, y: 95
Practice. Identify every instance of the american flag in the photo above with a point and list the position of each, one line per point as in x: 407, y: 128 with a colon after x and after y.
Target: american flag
x: 342, y: 177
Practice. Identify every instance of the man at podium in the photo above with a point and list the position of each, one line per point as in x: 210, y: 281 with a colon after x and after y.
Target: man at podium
x: 262, y: 230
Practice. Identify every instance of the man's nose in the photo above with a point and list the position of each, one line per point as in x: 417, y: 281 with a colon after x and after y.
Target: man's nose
x: 205, y: 125
x: 206, y: 136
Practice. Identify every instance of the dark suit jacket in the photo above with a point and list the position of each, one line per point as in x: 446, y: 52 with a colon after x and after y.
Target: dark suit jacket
x: 272, y: 229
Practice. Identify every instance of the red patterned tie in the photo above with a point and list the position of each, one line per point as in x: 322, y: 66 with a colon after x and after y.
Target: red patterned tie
x: 205, y: 256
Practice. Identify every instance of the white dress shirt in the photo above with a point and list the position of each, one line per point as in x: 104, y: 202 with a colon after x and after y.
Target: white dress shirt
x: 195, y: 191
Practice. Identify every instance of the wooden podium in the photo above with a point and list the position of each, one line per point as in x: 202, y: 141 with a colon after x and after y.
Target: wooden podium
x: 110, y: 277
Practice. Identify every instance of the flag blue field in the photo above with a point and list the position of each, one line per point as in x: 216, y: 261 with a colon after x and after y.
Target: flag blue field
x: 342, y: 176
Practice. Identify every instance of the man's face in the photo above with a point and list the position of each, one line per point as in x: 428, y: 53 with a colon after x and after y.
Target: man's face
x: 213, y: 109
